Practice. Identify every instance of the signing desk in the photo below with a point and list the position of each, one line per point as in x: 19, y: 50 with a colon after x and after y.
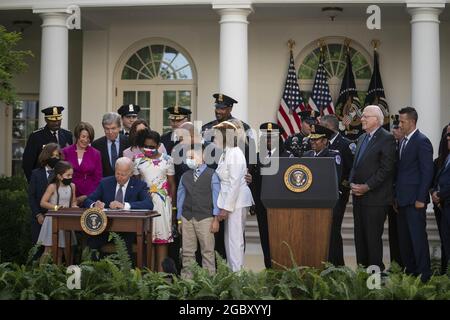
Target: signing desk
x: 136, y: 221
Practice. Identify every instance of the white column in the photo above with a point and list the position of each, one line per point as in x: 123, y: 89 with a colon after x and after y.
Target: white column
x: 54, y: 61
x: 425, y: 69
x: 233, y: 72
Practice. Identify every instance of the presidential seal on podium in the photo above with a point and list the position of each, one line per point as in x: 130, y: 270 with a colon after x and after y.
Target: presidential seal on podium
x: 298, y: 178
x: 93, y: 221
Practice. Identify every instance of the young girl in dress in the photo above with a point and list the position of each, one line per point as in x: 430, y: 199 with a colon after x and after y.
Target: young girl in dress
x: 60, y: 193
x: 158, y: 171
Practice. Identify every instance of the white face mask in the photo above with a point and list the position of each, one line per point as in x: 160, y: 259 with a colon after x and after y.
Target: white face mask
x: 191, y: 164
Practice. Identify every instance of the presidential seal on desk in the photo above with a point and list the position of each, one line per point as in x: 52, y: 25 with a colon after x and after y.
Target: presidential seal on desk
x: 298, y: 178
x: 93, y: 221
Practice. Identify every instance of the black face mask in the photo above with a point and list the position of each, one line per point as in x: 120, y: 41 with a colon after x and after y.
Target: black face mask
x: 67, y: 182
x: 52, y: 162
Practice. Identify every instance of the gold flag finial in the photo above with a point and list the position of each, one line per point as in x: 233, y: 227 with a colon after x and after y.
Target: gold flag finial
x: 291, y: 44
x: 347, y: 42
x: 321, y: 44
x: 375, y: 44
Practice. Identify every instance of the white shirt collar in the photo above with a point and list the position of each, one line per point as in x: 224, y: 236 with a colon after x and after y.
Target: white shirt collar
x: 371, y: 133
x: 334, y: 138
x: 408, y: 137
x: 125, y: 186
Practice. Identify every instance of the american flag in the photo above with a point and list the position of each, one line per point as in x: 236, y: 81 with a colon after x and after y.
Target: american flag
x: 320, y: 99
x: 291, y: 103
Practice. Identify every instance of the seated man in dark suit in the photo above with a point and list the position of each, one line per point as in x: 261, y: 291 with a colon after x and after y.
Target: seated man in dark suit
x: 119, y: 192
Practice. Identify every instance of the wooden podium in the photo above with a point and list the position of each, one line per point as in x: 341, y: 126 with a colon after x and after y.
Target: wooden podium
x: 300, y: 210
x: 137, y: 221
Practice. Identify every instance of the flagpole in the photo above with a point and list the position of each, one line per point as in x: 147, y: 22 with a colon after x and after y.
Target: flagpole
x: 375, y: 44
x: 291, y: 44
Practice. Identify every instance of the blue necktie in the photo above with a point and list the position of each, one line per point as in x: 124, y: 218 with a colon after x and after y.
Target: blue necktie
x: 447, y: 163
x: 113, y: 154
x: 363, y: 148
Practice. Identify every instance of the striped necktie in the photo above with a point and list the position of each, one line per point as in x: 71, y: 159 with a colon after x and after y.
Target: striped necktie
x: 196, y: 174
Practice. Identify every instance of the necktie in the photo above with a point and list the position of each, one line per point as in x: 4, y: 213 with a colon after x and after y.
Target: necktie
x: 402, y: 147
x: 113, y: 154
x: 50, y: 174
x: 119, y: 194
x: 196, y: 174
x: 55, y: 136
x: 447, y: 163
x: 363, y: 147
x: 270, y: 153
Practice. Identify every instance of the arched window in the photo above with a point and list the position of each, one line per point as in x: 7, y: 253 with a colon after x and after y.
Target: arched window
x: 335, y: 64
x: 155, y: 74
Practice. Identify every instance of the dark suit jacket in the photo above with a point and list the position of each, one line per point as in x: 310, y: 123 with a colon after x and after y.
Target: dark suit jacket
x: 414, y: 171
x: 36, y: 142
x: 136, y: 194
x: 376, y: 168
x: 442, y: 185
x: 101, y: 145
x: 36, y: 189
x: 343, y: 145
x: 166, y: 140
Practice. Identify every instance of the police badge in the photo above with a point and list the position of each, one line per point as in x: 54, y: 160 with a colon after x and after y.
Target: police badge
x: 298, y: 178
x: 93, y: 221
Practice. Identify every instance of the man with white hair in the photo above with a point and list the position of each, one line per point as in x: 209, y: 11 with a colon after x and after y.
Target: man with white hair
x: 371, y: 181
x: 119, y: 192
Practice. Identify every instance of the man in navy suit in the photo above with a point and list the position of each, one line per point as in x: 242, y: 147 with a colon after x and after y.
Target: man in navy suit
x: 441, y: 197
x: 112, y: 144
x: 119, y: 192
x: 413, y: 181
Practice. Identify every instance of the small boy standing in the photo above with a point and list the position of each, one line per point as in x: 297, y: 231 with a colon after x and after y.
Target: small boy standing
x: 197, y: 215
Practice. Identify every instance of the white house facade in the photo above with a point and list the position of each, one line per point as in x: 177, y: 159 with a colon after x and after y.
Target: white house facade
x: 161, y: 53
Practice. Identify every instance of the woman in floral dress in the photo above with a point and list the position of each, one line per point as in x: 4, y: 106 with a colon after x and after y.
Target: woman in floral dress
x: 157, y: 170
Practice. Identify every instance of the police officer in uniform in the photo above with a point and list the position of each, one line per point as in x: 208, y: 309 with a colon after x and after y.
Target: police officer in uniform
x: 319, y: 138
x: 129, y: 113
x: 298, y: 143
x: 177, y: 116
x: 346, y: 149
x: 394, y: 246
x: 223, y: 107
x: 271, y: 145
x: 51, y: 132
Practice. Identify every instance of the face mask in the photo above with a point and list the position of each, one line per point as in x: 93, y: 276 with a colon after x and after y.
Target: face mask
x: 191, y: 164
x: 150, y: 152
x: 67, y: 182
x: 52, y: 162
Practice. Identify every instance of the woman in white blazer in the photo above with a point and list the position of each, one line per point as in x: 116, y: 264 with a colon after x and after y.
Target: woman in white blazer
x: 235, y: 197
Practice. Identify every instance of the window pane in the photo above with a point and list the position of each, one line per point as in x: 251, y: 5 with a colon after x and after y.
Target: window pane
x: 144, y: 99
x: 335, y: 51
x: 144, y: 74
x: 311, y: 61
x: 144, y: 53
x: 305, y: 72
x: 169, y: 54
x: 157, y: 52
x: 363, y: 73
x: 128, y: 74
x: 184, y: 73
x: 134, y: 62
x: 129, y: 97
x: 169, y: 100
x: 24, y: 122
x: 184, y: 99
x: 179, y: 62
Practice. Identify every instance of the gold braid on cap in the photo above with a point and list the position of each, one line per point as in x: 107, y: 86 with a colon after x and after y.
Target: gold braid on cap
x: 225, y: 125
